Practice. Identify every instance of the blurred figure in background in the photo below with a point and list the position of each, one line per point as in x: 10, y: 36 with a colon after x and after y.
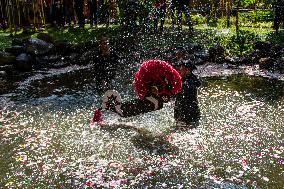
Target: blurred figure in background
x: 93, y: 8
x: 279, y: 15
x: 106, y: 65
x: 160, y: 7
x: 180, y: 7
x: 79, y: 9
x: 68, y: 8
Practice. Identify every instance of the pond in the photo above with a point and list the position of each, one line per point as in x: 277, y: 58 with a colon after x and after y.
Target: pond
x: 47, y: 139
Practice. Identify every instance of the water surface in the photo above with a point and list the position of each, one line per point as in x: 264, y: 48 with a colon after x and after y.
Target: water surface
x: 47, y: 139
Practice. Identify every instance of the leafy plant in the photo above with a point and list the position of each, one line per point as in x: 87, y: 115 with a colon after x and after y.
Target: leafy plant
x: 243, y: 41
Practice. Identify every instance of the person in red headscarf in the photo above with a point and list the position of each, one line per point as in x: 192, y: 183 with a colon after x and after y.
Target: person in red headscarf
x: 155, y: 82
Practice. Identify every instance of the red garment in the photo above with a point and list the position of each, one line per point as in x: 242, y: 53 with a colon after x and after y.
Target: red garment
x: 156, y: 72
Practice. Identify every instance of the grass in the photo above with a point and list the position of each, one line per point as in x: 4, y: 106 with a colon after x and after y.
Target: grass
x: 206, y: 34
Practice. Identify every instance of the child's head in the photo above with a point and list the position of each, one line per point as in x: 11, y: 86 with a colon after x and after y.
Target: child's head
x: 184, y: 67
x: 104, y: 45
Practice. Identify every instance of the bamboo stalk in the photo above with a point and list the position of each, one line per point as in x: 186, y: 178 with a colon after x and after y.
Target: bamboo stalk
x: 18, y: 11
x: 42, y: 12
x: 237, y: 18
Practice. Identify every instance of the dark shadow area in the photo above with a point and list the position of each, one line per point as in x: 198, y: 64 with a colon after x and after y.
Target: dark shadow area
x: 276, y: 38
x: 145, y: 139
x: 154, y: 143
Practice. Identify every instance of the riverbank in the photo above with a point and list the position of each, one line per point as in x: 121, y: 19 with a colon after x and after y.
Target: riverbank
x: 212, y: 70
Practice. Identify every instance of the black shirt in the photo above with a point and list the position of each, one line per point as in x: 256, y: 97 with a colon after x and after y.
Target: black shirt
x: 186, y: 103
x: 106, y: 66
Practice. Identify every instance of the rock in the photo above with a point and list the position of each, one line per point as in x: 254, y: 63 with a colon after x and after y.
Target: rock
x: 20, y: 41
x: 276, y: 51
x: 24, y: 62
x: 199, y: 61
x: 6, y: 58
x: 3, y: 74
x: 38, y: 47
x: 45, y: 37
x: 261, y: 45
x: 204, y: 56
x: 194, y: 47
x: 62, y: 47
x: 280, y: 66
x: 231, y: 60
x: 255, y: 56
x: 243, y: 60
x: 91, y: 44
x: 217, y: 54
x: 262, y: 49
x: 269, y: 64
x: 16, y: 50
x: 7, y: 68
x: 79, y: 48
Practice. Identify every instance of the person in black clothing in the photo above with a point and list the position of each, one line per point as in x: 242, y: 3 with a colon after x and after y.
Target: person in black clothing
x: 160, y: 13
x: 186, y: 108
x: 279, y: 15
x: 106, y: 65
x: 155, y: 83
x: 79, y: 9
x: 93, y: 7
x: 181, y: 6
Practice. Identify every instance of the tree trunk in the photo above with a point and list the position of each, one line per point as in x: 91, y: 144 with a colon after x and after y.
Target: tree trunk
x: 237, y: 18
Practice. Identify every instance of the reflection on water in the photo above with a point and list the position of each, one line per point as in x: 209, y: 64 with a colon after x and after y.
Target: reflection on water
x: 48, y: 141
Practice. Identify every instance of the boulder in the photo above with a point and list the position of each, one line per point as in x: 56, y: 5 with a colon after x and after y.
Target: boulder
x: 45, y: 37
x: 16, y: 50
x: 6, y: 58
x: 86, y: 57
x: 20, y: 41
x: 271, y: 64
x: 276, y: 51
x: 262, y: 48
x: 261, y: 45
x: 193, y: 48
x: 60, y: 64
x: 202, y: 57
x: 38, y: 47
x: 3, y: 74
x: 7, y: 68
x: 62, y: 47
x: 217, y: 53
x: 24, y: 62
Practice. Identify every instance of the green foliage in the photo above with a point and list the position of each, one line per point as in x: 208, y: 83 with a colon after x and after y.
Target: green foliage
x: 247, y: 2
x: 5, y: 40
x: 198, y: 19
x: 257, y: 16
x: 242, y: 41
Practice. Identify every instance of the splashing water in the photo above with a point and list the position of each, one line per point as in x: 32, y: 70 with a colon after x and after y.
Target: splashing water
x: 238, y: 144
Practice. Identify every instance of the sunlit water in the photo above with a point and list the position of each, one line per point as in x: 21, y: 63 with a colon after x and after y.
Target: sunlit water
x: 48, y: 142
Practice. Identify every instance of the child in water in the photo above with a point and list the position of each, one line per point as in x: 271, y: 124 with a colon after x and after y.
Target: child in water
x: 155, y: 82
x: 186, y: 108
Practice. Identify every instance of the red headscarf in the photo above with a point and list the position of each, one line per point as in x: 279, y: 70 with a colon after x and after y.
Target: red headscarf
x: 153, y: 72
